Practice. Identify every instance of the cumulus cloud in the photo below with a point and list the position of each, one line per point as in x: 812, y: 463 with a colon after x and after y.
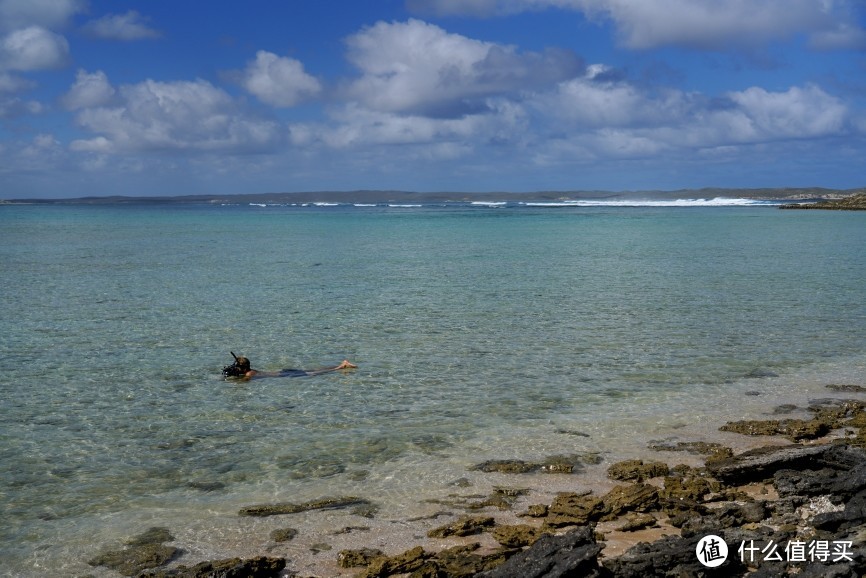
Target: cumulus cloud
x: 33, y: 48
x: 128, y: 26
x: 53, y: 14
x: 163, y: 116
x: 699, y: 24
x: 593, y: 118
x: 89, y: 90
x: 418, y: 68
x: 355, y: 126
x: 796, y: 113
x: 279, y: 81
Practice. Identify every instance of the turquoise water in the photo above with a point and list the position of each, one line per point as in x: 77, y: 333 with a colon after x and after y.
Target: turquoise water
x: 481, y: 332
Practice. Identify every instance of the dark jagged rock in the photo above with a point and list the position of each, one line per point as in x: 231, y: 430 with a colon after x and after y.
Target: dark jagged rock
x: 572, y: 554
x: 288, y: 508
x: 728, y: 515
x: 462, y: 527
x: 762, y: 463
x: 672, y: 556
x: 843, y: 483
x: 258, y: 567
x: 852, y: 516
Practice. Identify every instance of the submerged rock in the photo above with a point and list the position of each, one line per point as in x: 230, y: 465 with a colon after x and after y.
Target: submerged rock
x: 258, y: 567
x: 143, y: 552
x: 284, y: 534
x: 793, y: 429
x: 155, y: 535
x: 506, y: 466
x: 131, y: 561
x: 288, y: 508
x: 847, y: 388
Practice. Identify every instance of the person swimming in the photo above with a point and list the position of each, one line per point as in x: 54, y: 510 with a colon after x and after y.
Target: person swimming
x: 241, y: 369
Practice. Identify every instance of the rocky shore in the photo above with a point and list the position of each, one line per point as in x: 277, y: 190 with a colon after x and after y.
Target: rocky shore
x: 851, y: 203
x: 797, y: 509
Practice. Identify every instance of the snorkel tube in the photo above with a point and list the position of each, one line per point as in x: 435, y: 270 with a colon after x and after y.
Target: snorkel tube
x: 234, y: 369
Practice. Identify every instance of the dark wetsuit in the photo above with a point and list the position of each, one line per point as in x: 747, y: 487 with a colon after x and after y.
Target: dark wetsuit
x: 289, y: 372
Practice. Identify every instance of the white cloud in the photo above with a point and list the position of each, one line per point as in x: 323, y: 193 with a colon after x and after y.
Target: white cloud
x: 89, y: 90
x: 797, y: 113
x: 418, y: 68
x: 843, y: 37
x: 11, y: 107
x: 279, y: 81
x: 161, y: 116
x: 700, y: 24
x: 16, y: 14
x: 604, y: 120
x: 11, y: 83
x: 357, y: 127
x: 129, y: 26
x: 33, y: 48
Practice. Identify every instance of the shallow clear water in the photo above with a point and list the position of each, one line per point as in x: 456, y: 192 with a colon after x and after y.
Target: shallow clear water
x: 481, y: 332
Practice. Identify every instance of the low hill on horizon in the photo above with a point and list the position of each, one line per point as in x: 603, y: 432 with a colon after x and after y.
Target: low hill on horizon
x: 388, y: 196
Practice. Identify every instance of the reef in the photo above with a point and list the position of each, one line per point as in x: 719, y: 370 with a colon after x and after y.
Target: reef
x: 855, y: 202
x: 795, y: 509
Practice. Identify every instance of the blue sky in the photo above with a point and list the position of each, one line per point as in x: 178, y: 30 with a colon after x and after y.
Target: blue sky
x: 161, y: 97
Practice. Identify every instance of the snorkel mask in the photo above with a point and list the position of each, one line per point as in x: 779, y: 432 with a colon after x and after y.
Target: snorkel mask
x: 237, y: 369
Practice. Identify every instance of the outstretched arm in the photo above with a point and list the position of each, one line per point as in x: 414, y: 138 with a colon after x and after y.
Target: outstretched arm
x: 346, y: 364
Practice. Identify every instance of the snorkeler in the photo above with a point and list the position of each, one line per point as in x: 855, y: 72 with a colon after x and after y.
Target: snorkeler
x: 241, y: 369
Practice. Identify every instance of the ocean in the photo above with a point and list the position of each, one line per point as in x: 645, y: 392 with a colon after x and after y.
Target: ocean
x: 482, y: 331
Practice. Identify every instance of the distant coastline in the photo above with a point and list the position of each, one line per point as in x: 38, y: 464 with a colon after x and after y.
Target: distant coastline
x: 388, y: 196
